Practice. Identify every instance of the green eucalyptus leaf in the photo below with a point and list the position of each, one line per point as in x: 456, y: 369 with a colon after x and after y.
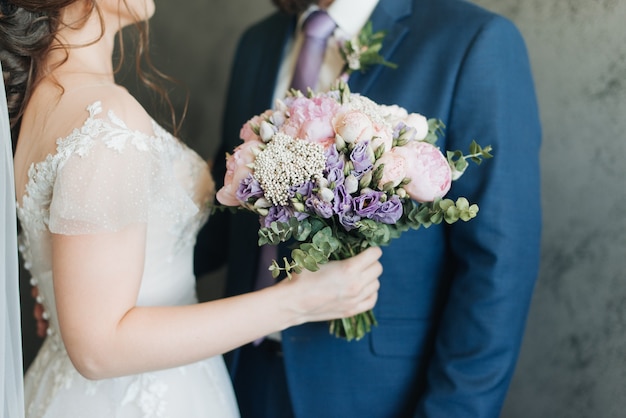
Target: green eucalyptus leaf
x: 474, y: 148
x: 451, y: 215
x: 436, y: 217
x: 276, y: 227
x: 309, y: 263
x: 444, y: 204
x: 462, y: 203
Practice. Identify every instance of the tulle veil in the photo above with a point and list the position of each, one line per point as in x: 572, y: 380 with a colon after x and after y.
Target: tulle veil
x: 11, y: 375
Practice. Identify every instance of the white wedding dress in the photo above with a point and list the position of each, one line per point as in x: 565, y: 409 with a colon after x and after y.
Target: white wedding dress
x: 103, y: 177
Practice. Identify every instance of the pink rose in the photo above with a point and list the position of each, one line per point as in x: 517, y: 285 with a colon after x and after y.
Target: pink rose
x: 246, y: 133
x: 354, y: 126
x: 428, y: 170
x: 394, y: 170
x: 236, y: 170
x: 311, y: 119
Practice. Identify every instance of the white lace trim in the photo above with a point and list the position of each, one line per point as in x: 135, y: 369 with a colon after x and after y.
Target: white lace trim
x: 115, y: 134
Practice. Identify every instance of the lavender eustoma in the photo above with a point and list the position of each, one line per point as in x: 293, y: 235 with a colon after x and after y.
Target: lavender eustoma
x: 320, y: 207
x: 389, y: 212
x: 249, y: 188
x: 367, y: 203
x: 362, y: 159
x: 282, y: 214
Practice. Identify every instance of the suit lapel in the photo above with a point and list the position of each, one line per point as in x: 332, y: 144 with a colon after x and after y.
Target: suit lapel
x: 386, y: 16
x: 274, y: 47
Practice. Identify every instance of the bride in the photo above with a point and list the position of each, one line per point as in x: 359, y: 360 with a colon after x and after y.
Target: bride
x: 109, y: 204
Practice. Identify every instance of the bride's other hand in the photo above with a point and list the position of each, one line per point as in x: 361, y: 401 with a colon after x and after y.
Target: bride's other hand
x: 339, y: 289
x: 38, y: 314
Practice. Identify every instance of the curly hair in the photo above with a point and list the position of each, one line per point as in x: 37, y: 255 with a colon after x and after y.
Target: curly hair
x: 28, y: 30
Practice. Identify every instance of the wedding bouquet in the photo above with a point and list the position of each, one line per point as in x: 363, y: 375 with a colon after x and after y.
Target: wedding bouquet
x: 334, y: 173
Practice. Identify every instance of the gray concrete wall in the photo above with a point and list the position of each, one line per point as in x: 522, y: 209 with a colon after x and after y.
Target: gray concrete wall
x: 195, y: 43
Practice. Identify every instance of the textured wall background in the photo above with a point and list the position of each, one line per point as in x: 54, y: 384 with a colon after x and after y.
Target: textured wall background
x: 573, y: 361
x: 195, y: 43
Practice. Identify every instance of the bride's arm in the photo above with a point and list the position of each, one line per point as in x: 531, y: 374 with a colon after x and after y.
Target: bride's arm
x: 97, y: 280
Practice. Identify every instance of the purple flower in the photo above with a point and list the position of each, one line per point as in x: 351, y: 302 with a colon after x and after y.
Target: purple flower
x: 404, y: 131
x: 367, y: 204
x: 249, y: 188
x: 319, y: 207
x: 335, y: 176
x: 282, y: 214
x: 342, y: 201
x: 342, y: 205
x: 361, y: 157
x: 334, y: 160
x: 389, y: 212
x: 303, y: 189
x: 301, y: 215
x: 348, y: 220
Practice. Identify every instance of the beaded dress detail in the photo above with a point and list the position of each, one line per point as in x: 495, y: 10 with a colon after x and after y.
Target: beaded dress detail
x: 103, y: 177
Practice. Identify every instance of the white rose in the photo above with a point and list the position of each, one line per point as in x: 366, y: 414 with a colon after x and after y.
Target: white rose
x: 419, y: 123
x: 266, y: 131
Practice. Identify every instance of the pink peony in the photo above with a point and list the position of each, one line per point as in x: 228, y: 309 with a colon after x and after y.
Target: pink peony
x: 236, y: 170
x: 394, y: 170
x: 311, y: 119
x: 354, y: 126
x: 428, y: 170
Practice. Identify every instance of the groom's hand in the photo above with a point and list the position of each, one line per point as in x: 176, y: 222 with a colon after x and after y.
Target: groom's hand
x: 38, y: 313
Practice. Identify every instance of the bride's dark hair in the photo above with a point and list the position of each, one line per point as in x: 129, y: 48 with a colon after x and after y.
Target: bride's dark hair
x: 28, y: 29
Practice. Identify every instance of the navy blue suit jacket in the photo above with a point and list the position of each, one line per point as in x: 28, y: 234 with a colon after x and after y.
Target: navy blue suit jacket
x: 454, y: 299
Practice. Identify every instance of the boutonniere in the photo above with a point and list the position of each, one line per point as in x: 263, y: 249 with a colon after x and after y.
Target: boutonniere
x: 363, y: 51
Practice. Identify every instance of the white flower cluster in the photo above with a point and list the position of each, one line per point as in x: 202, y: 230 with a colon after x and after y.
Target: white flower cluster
x: 286, y: 162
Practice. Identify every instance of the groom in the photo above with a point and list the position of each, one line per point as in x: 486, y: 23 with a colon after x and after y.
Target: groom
x: 453, y: 299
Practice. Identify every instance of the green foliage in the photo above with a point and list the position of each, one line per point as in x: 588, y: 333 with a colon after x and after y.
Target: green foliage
x: 364, y: 51
x: 458, y: 161
x: 320, y: 240
x: 477, y: 153
x: 435, y: 130
x: 376, y: 234
x: 353, y: 328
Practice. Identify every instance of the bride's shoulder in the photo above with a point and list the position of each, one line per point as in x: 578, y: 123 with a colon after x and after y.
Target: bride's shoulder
x: 109, y: 102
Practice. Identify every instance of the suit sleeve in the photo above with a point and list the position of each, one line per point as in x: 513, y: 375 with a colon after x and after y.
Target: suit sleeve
x: 496, y: 255
x: 211, y: 251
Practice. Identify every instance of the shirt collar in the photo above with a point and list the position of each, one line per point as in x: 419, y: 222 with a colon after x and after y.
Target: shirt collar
x: 349, y: 15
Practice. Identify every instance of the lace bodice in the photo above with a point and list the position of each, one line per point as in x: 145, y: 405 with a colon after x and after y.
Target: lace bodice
x: 103, y: 177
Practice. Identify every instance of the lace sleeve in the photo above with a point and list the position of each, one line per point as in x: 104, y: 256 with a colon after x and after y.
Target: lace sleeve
x: 113, y: 177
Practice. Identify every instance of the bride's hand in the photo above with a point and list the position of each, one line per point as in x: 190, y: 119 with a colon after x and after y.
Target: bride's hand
x: 38, y: 314
x: 339, y: 289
